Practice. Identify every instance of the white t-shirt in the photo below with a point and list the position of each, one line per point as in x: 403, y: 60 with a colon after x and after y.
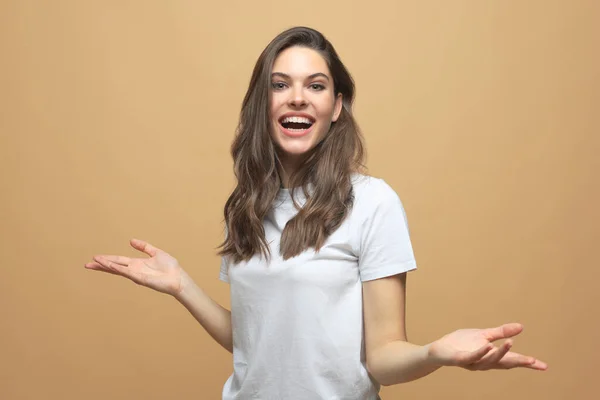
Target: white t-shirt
x: 298, y: 324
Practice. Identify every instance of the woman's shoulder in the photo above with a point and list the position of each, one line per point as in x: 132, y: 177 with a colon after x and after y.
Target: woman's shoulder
x: 372, y: 190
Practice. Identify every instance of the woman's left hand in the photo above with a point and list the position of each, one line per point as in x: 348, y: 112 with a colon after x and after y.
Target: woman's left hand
x: 473, y: 349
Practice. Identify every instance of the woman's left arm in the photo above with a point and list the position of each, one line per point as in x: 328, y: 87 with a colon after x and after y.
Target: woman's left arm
x: 391, y: 359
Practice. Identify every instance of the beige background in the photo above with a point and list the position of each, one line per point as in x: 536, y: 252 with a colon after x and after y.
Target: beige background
x: 116, y: 120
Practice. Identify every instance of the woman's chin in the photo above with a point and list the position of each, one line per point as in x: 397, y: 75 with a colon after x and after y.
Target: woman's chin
x: 295, y: 152
x: 295, y: 147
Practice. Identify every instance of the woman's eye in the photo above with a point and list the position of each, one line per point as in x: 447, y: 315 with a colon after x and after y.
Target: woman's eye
x: 282, y: 85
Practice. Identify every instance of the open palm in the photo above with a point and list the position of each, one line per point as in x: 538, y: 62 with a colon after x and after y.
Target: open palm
x: 473, y: 349
x: 160, y: 272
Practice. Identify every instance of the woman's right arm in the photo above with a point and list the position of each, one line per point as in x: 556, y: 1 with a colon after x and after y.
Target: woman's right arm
x: 212, y: 316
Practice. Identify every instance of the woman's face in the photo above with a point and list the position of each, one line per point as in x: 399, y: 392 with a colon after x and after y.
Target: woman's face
x: 303, y: 103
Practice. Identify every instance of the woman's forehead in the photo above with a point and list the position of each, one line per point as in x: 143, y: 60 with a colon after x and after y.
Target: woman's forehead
x: 300, y: 62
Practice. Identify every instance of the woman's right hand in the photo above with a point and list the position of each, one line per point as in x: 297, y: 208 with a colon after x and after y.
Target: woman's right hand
x: 160, y: 272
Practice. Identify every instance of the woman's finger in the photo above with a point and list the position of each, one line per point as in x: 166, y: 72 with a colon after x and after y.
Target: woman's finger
x: 513, y: 360
x: 98, y: 267
x: 476, y: 355
x: 503, y: 331
x: 109, y: 265
x: 122, y: 260
x: 144, y: 247
x: 538, y: 365
x: 114, y: 268
x: 493, y: 359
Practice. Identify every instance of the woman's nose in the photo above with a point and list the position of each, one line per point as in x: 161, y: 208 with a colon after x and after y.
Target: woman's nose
x: 297, y: 98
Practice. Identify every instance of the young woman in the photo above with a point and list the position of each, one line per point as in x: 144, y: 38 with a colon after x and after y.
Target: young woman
x: 316, y: 252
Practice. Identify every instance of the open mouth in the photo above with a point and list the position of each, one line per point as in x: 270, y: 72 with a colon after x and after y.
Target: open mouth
x: 296, y: 124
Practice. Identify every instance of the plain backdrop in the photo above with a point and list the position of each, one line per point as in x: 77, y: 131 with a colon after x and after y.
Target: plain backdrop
x: 116, y: 119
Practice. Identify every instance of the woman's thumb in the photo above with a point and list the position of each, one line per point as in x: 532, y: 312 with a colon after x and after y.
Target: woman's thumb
x: 143, y: 246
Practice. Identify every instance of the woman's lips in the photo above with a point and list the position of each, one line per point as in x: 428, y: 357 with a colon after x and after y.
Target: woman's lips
x: 295, y: 134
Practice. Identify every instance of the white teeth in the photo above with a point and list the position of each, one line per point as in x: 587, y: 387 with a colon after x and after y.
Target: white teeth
x: 297, y: 119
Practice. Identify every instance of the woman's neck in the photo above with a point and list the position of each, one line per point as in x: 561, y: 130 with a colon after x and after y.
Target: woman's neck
x: 288, y: 167
x: 284, y: 176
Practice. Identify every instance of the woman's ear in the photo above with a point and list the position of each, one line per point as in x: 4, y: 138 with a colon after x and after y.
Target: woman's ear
x: 337, y: 107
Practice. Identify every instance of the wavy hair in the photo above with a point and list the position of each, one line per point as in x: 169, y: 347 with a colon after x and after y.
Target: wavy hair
x: 326, y: 170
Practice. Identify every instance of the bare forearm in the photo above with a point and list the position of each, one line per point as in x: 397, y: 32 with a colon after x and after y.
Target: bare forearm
x: 399, y: 362
x: 215, y: 319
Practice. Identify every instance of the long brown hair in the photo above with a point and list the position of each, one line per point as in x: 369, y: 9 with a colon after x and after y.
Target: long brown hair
x: 328, y: 167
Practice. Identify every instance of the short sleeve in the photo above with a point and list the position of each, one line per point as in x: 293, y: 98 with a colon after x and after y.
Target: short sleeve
x: 385, y: 248
x: 224, y: 272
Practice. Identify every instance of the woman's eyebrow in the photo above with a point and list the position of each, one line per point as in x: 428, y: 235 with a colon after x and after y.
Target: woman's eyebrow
x: 286, y: 76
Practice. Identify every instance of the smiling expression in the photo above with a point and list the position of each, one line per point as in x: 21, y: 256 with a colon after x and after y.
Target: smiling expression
x: 303, y: 104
